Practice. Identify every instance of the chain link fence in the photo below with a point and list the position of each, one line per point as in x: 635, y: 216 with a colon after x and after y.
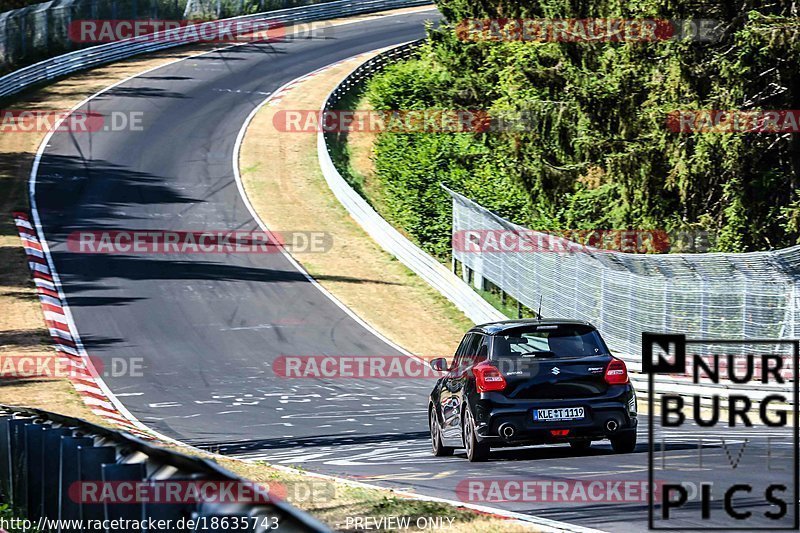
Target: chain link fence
x: 712, y: 295
x: 41, y: 31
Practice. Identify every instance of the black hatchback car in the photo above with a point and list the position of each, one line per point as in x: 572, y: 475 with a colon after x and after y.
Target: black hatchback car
x: 527, y: 382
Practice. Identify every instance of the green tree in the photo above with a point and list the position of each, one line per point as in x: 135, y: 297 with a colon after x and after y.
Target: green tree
x: 595, y: 150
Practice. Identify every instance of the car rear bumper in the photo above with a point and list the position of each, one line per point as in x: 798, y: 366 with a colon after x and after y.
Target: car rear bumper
x: 504, y: 422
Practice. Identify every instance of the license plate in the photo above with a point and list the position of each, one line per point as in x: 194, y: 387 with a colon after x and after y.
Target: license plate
x: 559, y: 413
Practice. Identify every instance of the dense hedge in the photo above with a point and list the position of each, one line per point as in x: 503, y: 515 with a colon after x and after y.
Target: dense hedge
x: 598, y: 153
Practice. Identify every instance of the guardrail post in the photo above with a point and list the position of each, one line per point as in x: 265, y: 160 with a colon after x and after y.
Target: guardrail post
x: 18, y: 469
x: 90, y: 468
x: 34, y: 448
x: 50, y: 473
x: 22, y: 29
x: 112, y: 473
x: 69, y: 474
x: 171, y: 511
x: 5, y: 459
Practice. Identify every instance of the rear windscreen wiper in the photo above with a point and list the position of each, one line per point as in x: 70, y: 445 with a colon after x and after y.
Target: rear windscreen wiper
x: 542, y: 353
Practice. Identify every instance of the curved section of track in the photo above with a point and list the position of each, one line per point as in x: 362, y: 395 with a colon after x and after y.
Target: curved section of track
x: 208, y: 327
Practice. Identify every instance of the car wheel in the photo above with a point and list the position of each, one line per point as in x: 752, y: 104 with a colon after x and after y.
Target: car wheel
x: 476, y: 451
x: 582, y: 445
x: 439, y: 450
x: 625, y: 443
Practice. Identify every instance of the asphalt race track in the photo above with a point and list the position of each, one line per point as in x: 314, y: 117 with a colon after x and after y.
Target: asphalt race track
x: 409, y: 464
x: 208, y: 327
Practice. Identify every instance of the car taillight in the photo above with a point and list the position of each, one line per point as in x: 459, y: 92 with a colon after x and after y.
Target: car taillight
x: 616, y: 373
x: 488, y: 378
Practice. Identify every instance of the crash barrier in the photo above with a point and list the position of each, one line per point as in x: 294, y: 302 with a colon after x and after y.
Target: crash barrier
x: 391, y: 240
x: 570, y: 291
x: 47, y: 29
x: 68, y: 63
x: 46, y: 458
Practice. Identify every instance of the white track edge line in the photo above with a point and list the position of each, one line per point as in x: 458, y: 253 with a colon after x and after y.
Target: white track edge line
x: 240, y: 185
x: 545, y: 523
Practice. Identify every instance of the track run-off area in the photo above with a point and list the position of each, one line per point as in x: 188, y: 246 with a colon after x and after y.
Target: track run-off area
x: 207, y: 327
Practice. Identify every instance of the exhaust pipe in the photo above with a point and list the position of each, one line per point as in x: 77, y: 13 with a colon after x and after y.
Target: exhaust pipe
x: 507, y: 431
x: 612, y: 425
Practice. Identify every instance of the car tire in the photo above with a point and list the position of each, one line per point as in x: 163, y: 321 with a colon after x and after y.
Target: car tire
x: 581, y: 445
x: 439, y: 449
x: 476, y: 451
x: 624, y: 443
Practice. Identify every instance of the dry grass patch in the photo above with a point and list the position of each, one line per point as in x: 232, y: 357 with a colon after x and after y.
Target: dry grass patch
x: 359, y: 146
x: 54, y: 395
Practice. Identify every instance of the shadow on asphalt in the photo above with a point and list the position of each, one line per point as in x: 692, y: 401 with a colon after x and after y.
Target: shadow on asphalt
x: 139, y: 92
x: 23, y: 337
x: 164, y: 78
x: 93, y: 267
x: 240, y: 447
x: 62, y: 181
x: 562, y: 451
x: 92, y: 301
x: 536, y: 453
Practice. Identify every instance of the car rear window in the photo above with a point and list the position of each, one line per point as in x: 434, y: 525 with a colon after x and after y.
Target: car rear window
x: 562, y: 340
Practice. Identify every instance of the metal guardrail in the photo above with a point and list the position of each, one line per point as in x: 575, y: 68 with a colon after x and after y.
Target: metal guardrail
x: 450, y: 285
x: 39, y: 31
x: 62, y: 65
x: 432, y: 271
x: 43, y: 455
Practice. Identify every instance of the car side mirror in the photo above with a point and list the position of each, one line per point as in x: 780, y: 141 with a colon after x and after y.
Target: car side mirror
x: 440, y: 364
